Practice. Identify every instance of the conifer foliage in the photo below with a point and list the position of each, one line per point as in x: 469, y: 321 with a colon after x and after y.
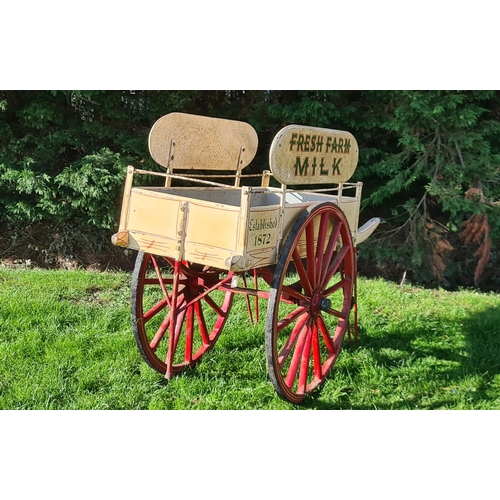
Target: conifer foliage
x: 429, y: 160
x: 436, y: 174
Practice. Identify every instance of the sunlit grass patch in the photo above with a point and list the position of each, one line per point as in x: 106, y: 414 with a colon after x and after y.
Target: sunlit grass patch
x: 66, y: 343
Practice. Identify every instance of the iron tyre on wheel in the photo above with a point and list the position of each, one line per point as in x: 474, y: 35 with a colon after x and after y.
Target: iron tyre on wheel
x: 310, y: 301
x: 177, y: 311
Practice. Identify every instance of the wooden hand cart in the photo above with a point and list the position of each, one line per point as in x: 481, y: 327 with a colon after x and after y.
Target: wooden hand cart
x: 198, y: 246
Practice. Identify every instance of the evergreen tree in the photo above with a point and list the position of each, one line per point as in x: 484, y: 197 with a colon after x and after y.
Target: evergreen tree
x: 437, y: 173
x: 429, y: 161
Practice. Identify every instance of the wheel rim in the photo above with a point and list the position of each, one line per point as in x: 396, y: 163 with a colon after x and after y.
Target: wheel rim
x: 310, y: 301
x: 177, y: 311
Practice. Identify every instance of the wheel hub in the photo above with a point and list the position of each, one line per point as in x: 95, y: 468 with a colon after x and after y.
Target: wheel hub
x: 319, y: 303
x: 326, y: 304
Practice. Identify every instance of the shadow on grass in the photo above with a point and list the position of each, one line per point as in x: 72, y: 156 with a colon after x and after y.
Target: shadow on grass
x: 439, y: 369
x: 440, y: 366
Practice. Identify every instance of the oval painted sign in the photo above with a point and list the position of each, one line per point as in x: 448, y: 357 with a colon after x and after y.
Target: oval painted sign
x: 313, y: 155
x: 185, y: 141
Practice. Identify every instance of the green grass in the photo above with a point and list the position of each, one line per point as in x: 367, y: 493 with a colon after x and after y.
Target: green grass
x: 66, y: 343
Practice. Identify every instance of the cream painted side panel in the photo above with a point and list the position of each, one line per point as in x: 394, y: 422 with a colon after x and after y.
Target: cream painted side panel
x: 152, y: 214
x: 211, y: 234
x: 216, y: 234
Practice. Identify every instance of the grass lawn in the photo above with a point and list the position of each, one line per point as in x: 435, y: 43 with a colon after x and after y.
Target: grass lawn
x: 66, y: 343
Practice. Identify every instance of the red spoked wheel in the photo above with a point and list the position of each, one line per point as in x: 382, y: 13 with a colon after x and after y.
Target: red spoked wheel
x: 178, y: 311
x: 310, y: 301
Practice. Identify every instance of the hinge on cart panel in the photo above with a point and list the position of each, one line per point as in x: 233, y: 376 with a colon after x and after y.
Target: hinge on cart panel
x: 171, y: 153
x: 181, y: 229
x: 170, y: 170
x: 238, y: 168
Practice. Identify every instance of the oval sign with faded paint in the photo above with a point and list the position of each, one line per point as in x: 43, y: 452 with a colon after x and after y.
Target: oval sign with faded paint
x: 185, y: 141
x: 313, y: 155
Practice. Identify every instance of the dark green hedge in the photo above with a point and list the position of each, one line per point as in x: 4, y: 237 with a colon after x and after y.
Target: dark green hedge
x: 429, y: 160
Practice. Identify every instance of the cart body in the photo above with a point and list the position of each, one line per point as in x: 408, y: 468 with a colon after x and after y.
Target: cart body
x: 231, y: 227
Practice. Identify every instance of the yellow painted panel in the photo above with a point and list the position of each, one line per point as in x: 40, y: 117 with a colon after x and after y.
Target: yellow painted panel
x: 153, y: 214
x: 212, y: 225
x: 254, y: 259
x: 196, y: 224
x: 154, y: 244
x: 207, y: 255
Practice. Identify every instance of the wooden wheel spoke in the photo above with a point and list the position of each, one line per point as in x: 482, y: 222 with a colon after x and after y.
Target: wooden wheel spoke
x: 189, y: 334
x: 290, y: 342
x: 304, y: 364
x: 151, y: 313
x: 214, y: 306
x: 310, y: 254
x: 177, y: 331
x: 297, y: 353
x: 160, y: 279
x: 290, y: 291
x: 316, y: 353
x: 323, y: 226
x: 326, y: 335
x: 201, y: 323
x: 160, y: 332
x: 341, y: 284
x: 334, y: 312
x: 304, y: 278
x: 289, y: 318
x: 332, y: 241
x: 339, y: 333
x: 332, y: 269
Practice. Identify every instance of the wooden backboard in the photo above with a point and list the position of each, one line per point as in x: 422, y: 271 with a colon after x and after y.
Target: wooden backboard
x: 184, y: 141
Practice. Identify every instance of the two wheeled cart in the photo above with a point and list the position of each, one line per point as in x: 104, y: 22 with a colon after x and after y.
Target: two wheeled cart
x: 200, y: 246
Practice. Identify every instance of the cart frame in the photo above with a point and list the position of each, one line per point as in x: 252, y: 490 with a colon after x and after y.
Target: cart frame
x: 197, y: 246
